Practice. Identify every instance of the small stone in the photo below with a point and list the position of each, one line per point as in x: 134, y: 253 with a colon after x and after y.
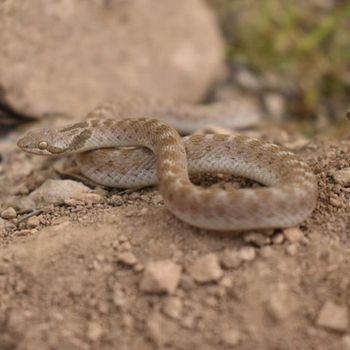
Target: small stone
x: 116, y: 200
x: 247, y: 253
x: 161, y: 277
x: 333, y: 316
x: 94, y: 331
x: 280, y: 303
x: 172, y: 307
x: 342, y: 177
x: 266, y: 251
x: 292, y: 249
x: 33, y: 222
x: 206, y: 269
x: 231, y: 337
x: 157, y: 199
x: 119, y: 299
x: 160, y: 329
x: 91, y: 198
x: 122, y: 238
x: 226, y: 282
x: 230, y: 259
x: 257, y: 239
x: 57, y: 192
x: 135, y: 195
x: 125, y: 246
x: 127, y: 258
x: 187, y: 283
x: 9, y: 213
x: 336, y: 202
x: 278, y: 239
x: 138, y: 267
x: 293, y: 234
x: 72, y: 202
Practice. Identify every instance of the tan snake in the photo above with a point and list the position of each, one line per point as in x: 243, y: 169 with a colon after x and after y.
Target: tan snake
x: 289, y: 198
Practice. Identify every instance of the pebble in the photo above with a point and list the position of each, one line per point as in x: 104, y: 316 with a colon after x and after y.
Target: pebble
x: 293, y: 234
x: 280, y: 303
x: 160, y: 329
x: 172, y: 307
x: 116, y: 200
x: 160, y: 277
x: 94, y: 331
x: 266, y: 251
x: 122, y: 238
x: 9, y: 213
x: 206, y: 269
x: 125, y: 246
x: 333, y: 316
x: 292, y: 249
x: 56, y: 192
x: 138, y: 267
x: 119, y: 299
x: 187, y: 283
x: 33, y: 222
x: 230, y: 259
x: 342, y: 177
x: 231, y: 337
x: 247, y: 253
x: 135, y: 195
x: 336, y: 202
x: 257, y: 239
x: 157, y: 199
x: 278, y: 239
x: 91, y: 198
x: 127, y: 258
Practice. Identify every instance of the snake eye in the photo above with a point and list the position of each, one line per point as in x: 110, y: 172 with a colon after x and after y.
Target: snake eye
x: 42, y: 145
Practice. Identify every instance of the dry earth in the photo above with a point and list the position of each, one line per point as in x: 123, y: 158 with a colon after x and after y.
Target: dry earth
x: 113, y: 270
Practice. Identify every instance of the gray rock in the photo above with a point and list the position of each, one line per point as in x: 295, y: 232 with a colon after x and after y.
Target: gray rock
x: 111, y: 49
x: 56, y: 192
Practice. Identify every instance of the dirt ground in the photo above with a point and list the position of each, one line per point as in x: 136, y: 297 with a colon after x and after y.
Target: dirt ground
x: 116, y: 270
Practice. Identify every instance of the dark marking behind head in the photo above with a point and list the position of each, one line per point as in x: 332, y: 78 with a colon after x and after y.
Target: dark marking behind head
x: 80, y: 139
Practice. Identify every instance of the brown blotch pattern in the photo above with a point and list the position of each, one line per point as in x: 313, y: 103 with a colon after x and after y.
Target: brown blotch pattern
x: 80, y: 139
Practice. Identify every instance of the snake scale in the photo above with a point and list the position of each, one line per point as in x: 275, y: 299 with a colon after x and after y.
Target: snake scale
x: 164, y: 157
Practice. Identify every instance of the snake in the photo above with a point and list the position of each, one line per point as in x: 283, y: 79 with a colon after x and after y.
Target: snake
x: 162, y: 156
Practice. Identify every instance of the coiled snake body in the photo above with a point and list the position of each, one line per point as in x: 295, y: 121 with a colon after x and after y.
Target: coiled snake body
x: 289, y: 198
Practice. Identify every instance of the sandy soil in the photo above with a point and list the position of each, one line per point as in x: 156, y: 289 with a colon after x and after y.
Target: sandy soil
x: 84, y: 274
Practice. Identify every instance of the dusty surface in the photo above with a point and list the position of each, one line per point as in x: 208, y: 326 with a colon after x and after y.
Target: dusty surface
x: 69, y: 56
x: 111, y: 270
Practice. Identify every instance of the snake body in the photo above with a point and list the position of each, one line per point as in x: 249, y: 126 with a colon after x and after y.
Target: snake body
x: 288, y: 200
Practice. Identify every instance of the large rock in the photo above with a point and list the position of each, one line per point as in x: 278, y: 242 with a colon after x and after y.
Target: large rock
x: 68, y: 56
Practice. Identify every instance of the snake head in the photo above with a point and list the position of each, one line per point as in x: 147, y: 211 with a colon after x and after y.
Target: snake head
x: 42, y: 142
